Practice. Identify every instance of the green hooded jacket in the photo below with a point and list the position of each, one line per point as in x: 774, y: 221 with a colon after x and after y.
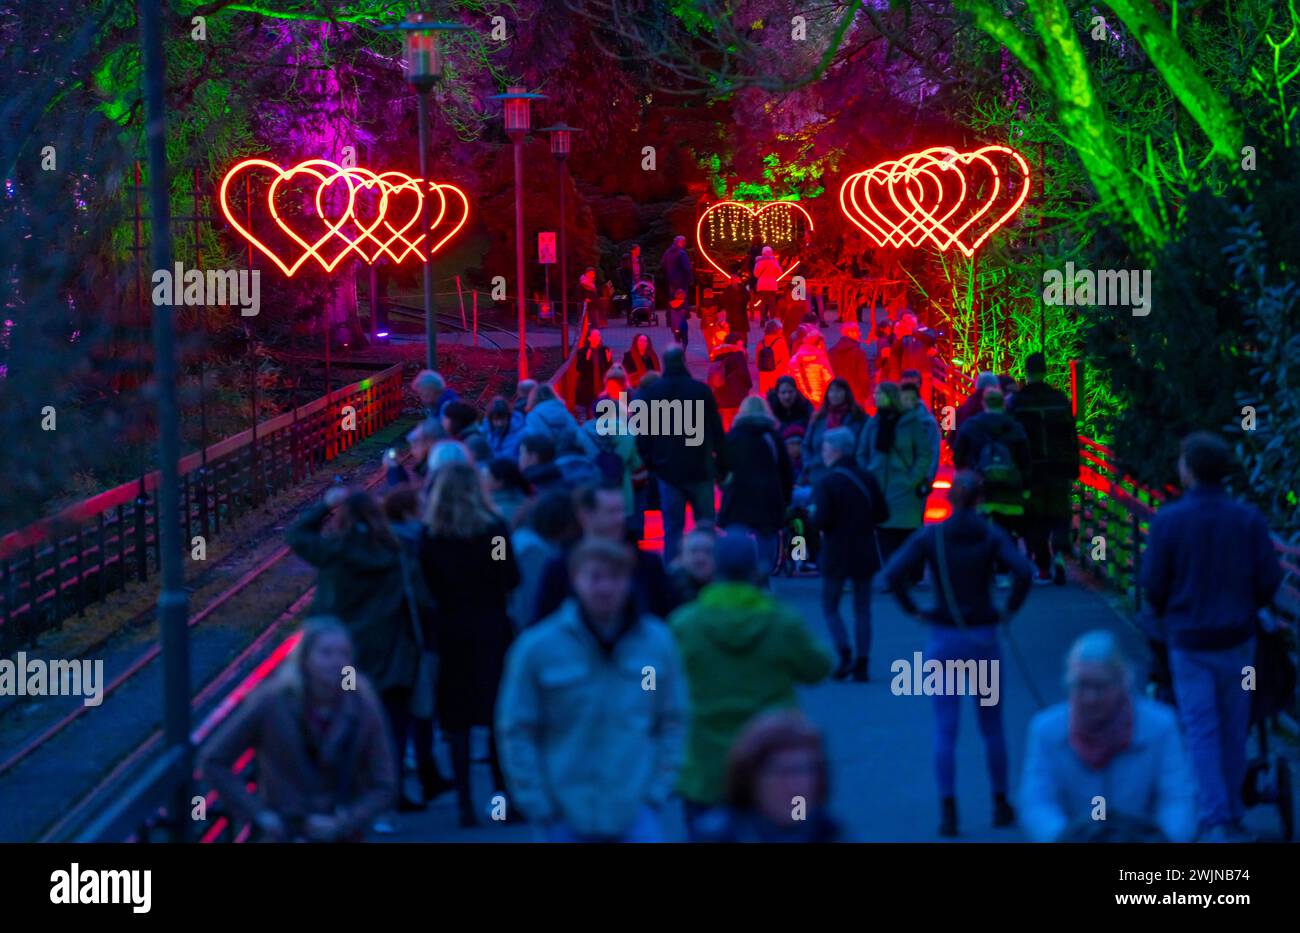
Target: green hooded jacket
x: 743, y: 653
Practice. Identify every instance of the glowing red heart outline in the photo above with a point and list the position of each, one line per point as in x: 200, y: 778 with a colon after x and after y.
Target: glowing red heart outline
x: 753, y: 211
x: 357, y: 179
x: 919, y: 220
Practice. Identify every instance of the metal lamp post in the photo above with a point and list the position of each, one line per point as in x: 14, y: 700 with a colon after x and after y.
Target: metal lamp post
x: 517, y: 104
x: 561, y: 144
x: 424, y: 67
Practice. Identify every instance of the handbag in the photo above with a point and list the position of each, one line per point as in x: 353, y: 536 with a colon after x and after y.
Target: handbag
x: 426, y: 670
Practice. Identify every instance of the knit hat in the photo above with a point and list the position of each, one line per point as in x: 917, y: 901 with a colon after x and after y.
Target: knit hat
x: 792, y: 430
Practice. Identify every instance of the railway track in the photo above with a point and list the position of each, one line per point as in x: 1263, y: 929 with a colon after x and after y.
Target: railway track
x: 73, y: 813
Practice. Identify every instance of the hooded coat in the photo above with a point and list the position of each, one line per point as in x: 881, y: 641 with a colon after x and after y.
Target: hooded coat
x: 742, y: 653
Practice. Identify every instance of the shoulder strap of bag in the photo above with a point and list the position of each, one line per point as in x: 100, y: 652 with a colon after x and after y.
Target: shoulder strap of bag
x: 409, y: 586
x: 941, y: 558
x: 871, y: 504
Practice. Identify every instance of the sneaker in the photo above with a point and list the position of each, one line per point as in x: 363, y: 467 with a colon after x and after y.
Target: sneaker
x: 1042, y: 579
x: 1058, y: 572
x: 860, y: 674
x: 384, y: 825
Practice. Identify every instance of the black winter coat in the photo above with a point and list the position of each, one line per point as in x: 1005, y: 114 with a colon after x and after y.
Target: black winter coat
x: 669, y: 457
x: 847, y: 519
x: 756, y: 492
x: 470, y: 588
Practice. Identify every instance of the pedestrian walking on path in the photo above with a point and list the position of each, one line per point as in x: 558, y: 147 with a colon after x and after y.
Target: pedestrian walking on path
x: 848, y: 506
x: 964, y: 553
x: 470, y: 570
x: 894, y: 447
x: 590, y: 754
x: 743, y: 653
x: 1045, y: 415
x: 1208, y: 569
x: 684, y: 467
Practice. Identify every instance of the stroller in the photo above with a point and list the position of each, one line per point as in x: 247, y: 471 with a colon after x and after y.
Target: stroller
x: 643, y: 304
x: 1268, y: 777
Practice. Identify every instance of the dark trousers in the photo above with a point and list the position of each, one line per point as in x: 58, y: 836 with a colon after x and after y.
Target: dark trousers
x: 832, y: 592
x: 460, y: 766
x: 1046, y: 537
x: 397, y: 706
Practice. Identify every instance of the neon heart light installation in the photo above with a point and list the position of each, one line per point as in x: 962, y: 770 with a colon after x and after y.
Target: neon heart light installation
x: 740, y: 222
x: 938, y: 195
x: 358, y: 211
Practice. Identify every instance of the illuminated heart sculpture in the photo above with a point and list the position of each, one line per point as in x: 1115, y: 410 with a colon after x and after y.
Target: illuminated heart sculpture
x: 352, y: 210
x: 939, y: 195
x: 745, y: 221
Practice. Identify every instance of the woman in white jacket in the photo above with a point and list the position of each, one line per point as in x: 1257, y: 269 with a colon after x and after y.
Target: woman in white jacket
x: 1105, y: 765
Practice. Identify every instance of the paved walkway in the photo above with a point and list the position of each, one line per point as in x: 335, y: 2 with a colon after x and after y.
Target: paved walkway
x: 882, y: 782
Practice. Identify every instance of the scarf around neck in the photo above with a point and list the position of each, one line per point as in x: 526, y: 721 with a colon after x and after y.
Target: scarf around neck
x: 1098, y: 743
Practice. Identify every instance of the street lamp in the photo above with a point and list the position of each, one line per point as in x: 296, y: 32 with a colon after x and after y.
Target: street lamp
x: 561, y: 142
x: 517, y: 103
x: 424, y: 65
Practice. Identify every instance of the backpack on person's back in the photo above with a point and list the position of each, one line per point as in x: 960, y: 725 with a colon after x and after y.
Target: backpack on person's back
x: 997, y: 466
x: 766, y: 358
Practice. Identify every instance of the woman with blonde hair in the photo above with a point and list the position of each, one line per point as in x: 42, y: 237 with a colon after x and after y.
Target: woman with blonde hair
x: 469, y: 566
x: 325, y: 767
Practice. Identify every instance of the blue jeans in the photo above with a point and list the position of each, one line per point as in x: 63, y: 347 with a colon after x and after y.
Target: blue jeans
x: 646, y: 828
x: 1215, y: 714
x: 832, y: 591
x: 978, y: 643
x: 672, y: 504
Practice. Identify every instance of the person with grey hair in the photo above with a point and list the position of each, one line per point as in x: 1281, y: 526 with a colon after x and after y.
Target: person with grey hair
x: 847, y: 505
x: 431, y: 389
x: 1105, y: 765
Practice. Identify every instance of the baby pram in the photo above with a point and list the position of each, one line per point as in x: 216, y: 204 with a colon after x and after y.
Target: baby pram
x: 643, y: 303
x: 1268, y: 777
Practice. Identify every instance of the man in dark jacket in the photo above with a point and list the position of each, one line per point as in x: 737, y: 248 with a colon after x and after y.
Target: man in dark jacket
x: 729, y: 377
x: 849, y: 362
x: 603, y: 514
x: 964, y: 554
x: 676, y: 267
x: 686, y: 459
x: 1208, y: 568
x: 994, y: 445
x: 848, y: 504
x: 1048, y: 421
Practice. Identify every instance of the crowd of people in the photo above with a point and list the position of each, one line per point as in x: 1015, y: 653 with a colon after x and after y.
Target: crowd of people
x: 500, y: 583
